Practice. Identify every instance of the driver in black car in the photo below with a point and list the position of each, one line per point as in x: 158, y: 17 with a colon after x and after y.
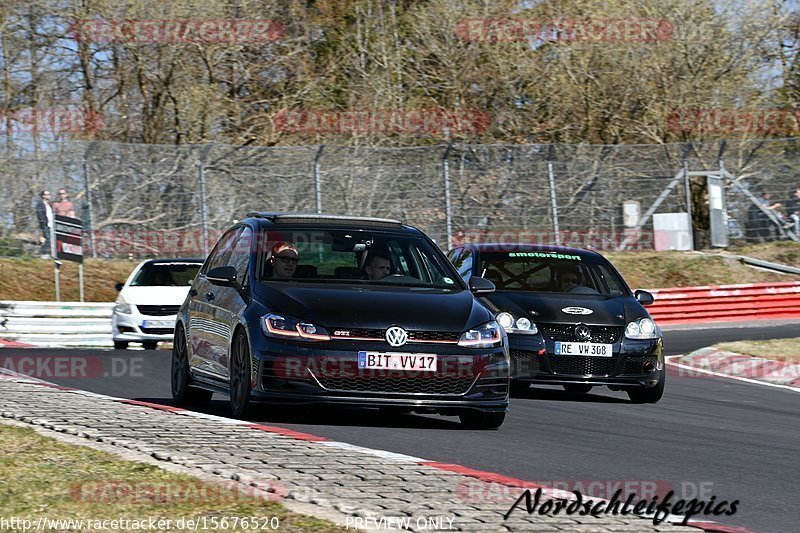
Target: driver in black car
x: 568, y: 277
x: 378, y: 265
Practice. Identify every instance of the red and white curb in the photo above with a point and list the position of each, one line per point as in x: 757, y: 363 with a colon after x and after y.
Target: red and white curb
x: 482, y: 475
x: 14, y: 344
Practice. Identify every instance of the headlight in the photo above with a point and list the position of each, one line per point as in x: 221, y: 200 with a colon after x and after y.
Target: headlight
x: 284, y: 326
x: 642, y: 328
x: 487, y: 335
x: 122, y: 306
x: 518, y: 325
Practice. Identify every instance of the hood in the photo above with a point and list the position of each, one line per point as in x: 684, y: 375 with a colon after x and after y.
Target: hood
x: 421, y: 309
x: 149, y: 295
x: 606, y: 310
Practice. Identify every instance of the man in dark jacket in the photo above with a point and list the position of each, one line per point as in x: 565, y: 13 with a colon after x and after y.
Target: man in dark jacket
x: 793, y: 211
x: 45, y: 215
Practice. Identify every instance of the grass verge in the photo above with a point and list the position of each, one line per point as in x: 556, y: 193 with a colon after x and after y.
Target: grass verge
x: 787, y: 350
x: 41, y: 476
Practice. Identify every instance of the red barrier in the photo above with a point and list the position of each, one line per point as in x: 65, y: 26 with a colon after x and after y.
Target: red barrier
x: 726, y: 303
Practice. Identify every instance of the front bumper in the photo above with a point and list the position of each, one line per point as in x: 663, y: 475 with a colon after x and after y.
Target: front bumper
x: 635, y: 363
x: 131, y: 327
x: 329, y: 374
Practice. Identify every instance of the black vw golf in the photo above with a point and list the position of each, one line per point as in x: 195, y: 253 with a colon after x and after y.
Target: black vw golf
x: 355, y: 311
x: 571, y: 318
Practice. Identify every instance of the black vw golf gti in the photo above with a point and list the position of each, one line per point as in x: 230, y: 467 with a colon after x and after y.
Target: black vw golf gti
x: 354, y: 311
x: 571, y: 318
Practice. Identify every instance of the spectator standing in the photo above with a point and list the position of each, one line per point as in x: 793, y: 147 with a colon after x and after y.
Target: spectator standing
x: 793, y: 211
x: 44, y: 213
x: 64, y: 206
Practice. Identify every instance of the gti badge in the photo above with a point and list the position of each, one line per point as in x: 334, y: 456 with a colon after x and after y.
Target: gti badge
x: 577, y: 311
x: 396, y: 336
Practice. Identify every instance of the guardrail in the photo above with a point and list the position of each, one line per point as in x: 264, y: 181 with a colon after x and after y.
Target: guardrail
x: 89, y: 324
x: 726, y: 303
x: 56, y: 323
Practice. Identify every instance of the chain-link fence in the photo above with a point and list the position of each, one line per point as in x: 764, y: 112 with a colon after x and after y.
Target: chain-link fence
x: 151, y: 200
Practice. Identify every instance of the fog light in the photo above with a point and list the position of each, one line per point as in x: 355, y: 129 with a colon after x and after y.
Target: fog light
x: 649, y: 366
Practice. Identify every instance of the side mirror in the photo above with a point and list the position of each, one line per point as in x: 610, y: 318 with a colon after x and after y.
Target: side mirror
x: 644, y: 297
x: 480, y: 285
x: 119, y: 286
x: 224, y: 276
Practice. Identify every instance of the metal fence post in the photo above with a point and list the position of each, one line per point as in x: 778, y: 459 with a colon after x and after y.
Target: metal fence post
x: 201, y: 169
x: 317, y: 180
x: 88, y: 191
x: 448, y: 216
x: 553, y: 199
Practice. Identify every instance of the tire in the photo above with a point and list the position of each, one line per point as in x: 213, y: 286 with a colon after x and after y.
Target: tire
x: 150, y: 345
x: 651, y: 395
x: 182, y: 392
x: 520, y: 387
x: 240, y: 386
x: 481, y: 420
x: 577, y: 389
x: 120, y: 345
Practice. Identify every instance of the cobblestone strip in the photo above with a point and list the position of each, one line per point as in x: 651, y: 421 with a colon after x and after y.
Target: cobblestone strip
x: 357, y: 482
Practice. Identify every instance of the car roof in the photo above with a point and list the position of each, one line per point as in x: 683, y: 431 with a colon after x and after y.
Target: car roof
x: 527, y: 247
x: 272, y: 219
x: 173, y: 260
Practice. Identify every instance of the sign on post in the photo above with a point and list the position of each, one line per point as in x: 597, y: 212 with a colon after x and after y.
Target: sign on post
x: 69, y: 243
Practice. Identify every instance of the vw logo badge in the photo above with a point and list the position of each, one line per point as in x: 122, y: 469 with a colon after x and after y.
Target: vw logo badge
x: 396, y: 336
x: 583, y: 333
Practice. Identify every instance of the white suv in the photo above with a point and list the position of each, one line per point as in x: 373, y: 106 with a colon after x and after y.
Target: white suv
x: 149, y: 300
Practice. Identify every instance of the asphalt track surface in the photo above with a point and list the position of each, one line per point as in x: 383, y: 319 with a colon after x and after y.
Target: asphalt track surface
x: 707, y: 437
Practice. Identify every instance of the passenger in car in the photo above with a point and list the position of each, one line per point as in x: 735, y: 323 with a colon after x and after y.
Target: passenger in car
x: 283, y: 259
x: 378, y: 265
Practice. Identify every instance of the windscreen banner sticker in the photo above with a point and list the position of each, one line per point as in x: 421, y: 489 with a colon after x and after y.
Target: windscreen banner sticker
x: 545, y: 255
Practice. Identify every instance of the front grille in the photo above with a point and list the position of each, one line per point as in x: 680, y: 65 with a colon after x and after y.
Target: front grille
x: 566, y: 333
x: 390, y: 385
x: 158, y: 331
x: 635, y: 365
x: 158, y: 310
x: 524, y: 364
x: 380, y: 334
x: 576, y: 365
x: 425, y: 336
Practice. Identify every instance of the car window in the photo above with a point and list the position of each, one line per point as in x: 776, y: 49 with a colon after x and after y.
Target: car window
x: 240, y: 254
x: 221, y: 253
x: 364, y: 257
x: 165, y: 274
x: 613, y: 282
x: 463, y: 264
x: 546, y: 271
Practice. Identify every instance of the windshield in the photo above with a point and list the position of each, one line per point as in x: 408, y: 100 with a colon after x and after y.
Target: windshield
x: 165, y: 274
x: 543, y: 271
x: 361, y: 257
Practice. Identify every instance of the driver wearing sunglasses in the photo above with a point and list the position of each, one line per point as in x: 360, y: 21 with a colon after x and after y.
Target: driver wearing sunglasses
x: 284, y: 259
